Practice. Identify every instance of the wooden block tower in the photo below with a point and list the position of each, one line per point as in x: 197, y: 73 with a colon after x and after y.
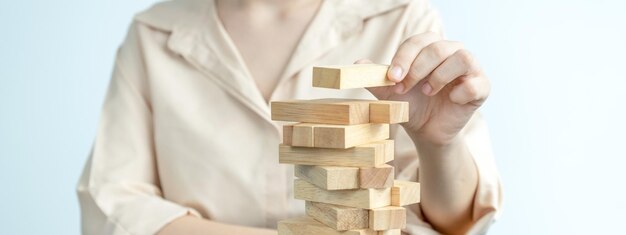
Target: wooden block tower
x: 340, y: 148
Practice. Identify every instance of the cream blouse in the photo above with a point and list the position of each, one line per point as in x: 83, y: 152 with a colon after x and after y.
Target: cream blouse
x: 184, y: 128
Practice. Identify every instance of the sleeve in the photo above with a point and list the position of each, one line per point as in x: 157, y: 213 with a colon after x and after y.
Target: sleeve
x: 487, y: 201
x: 119, y: 188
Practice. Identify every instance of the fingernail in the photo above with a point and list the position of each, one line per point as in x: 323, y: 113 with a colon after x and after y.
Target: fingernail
x: 396, y: 73
x: 427, y: 89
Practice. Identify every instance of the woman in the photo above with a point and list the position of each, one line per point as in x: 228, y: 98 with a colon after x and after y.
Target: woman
x: 186, y: 145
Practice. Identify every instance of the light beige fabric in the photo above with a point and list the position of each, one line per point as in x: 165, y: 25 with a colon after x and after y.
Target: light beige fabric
x: 185, y: 130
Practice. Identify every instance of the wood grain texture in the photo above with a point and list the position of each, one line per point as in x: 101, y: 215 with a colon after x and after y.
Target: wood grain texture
x: 341, y: 111
x: 327, y: 111
x: 351, y: 76
x: 329, y: 177
x: 339, y: 217
x: 334, y: 136
x: 310, y: 226
x: 376, y: 177
x: 303, y: 135
x: 386, y: 111
x: 366, y: 155
x: 389, y: 151
x: 360, y: 198
x: 386, y: 218
x: 347, y: 136
x: 339, y: 177
x: 287, y: 134
x: 405, y: 193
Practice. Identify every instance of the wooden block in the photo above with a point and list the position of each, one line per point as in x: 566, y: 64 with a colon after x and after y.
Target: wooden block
x: 287, y: 134
x: 347, y: 136
x: 329, y: 177
x: 340, y: 111
x: 310, y: 226
x: 303, y: 135
x: 385, y: 111
x: 339, y: 178
x: 360, y: 198
x: 405, y: 193
x: 376, y: 177
x: 328, y: 111
x: 334, y: 136
x: 338, y: 217
x: 351, y: 76
x: 366, y: 155
x: 386, y: 218
x: 389, y: 151
x: 390, y: 232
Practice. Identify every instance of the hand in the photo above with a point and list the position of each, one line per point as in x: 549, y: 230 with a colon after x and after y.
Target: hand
x: 442, y: 82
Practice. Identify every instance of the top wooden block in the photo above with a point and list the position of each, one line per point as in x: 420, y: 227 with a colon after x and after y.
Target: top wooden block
x: 341, y: 111
x: 351, y: 76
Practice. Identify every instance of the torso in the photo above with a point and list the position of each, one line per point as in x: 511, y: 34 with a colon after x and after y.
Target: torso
x: 214, y: 147
x: 267, y: 38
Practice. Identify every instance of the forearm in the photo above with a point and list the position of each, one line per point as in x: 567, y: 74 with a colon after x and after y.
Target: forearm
x: 192, y: 225
x: 449, y: 179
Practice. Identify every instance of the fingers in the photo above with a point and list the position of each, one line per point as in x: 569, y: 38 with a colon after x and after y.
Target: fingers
x: 440, y: 62
x: 406, y: 53
x: 428, y: 59
x: 471, y: 90
x: 458, y: 64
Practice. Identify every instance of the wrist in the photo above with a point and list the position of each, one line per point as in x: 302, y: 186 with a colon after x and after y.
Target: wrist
x: 440, y: 140
x: 436, y: 146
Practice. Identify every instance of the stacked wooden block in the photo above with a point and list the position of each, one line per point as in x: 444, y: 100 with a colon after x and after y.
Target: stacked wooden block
x: 340, y: 148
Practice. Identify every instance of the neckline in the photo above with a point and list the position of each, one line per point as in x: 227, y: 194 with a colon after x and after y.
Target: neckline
x: 236, y: 54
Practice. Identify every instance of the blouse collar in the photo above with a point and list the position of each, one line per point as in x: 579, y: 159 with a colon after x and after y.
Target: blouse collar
x: 194, y: 28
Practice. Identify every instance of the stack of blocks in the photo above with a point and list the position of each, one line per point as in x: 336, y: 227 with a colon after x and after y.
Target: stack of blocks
x: 340, y: 148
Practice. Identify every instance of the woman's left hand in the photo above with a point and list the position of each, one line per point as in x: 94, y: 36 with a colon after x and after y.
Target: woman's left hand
x: 443, y: 84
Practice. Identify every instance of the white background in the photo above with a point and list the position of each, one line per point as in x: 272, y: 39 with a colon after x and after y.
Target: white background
x: 557, y: 112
